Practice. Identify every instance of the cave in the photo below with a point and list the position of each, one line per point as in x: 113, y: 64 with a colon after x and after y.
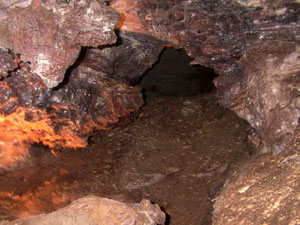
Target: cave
x: 172, y: 75
x: 149, y: 112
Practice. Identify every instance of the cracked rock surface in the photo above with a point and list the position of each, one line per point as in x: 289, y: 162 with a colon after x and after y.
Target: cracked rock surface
x: 49, y: 34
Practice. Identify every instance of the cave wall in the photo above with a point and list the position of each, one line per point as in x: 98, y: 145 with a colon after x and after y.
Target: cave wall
x: 49, y: 34
x: 42, y: 101
x: 128, y: 59
x: 233, y: 37
x: 267, y: 94
x: 59, y: 118
x: 252, y: 45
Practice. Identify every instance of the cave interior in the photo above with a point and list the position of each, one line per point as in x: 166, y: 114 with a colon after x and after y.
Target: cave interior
x: 149, y: 112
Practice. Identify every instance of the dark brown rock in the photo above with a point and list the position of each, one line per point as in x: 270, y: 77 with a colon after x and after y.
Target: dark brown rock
x: 62, y: 117
x: 128, y: 59
x: 7, y: 63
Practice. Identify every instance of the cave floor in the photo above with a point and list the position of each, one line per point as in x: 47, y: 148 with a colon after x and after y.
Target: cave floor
x: 176, y: 154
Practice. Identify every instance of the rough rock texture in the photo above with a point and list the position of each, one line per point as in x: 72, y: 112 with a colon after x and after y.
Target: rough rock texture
x: 267, y: 93
x: 263, y: 191
x: 49, y: 34
x: 176, y: 154
x: 128, y: 59
x: 62, y: 117
x: 210, y: 31
x: 224, y: 35
x: 92, y: 210
x: 252, y: 45
x: 7, y: 63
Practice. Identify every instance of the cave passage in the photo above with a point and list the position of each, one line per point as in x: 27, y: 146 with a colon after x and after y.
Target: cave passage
x: 184, y: 146
x: 172, y: 75
x: 177, y: 153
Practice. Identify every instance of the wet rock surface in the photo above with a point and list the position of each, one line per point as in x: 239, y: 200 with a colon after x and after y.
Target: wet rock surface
x: 177, y: 154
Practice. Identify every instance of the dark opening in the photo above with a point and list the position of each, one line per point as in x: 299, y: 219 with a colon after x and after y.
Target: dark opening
x: 173, y: 75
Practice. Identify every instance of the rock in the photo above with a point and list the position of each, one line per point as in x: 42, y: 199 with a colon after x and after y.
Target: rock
x: 263, y: 191
x: 49, y: 34
x: 7, y: 63
x: 249, y: 44
x: 126, y: 60
x: 219, y: 34
x: 266, y: 94
x: 62, y: 117
x: 92, y: 210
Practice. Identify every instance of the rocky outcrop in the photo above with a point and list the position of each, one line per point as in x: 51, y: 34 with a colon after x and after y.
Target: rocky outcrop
x: 62, y: 117
x: 262, y: 191
x: 49, y: 34
x: 128, y: 59
x: 252, y: 45
x: 92, y: 210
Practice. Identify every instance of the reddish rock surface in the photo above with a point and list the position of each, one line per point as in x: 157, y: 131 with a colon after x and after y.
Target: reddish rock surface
x: 49, y: 34
x: 62, y: 117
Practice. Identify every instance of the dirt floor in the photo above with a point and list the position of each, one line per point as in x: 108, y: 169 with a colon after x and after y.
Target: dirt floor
x: 176, y: 154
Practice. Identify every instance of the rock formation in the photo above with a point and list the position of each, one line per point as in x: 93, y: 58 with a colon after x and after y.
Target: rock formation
x: 252, y: 45
x: 236, y: 38
x: 92, y: 210
x: 49, y: 34
x: 58, y: 118
x: 263, y: 191
x: 248, y: 43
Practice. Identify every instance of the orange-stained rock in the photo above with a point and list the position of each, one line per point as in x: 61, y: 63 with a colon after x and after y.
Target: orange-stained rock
x: 62, y: 117
x: 129, y: 20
